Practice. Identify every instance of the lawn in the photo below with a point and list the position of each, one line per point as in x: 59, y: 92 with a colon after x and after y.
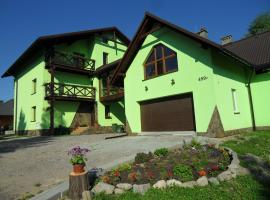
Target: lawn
x: 245, y: 187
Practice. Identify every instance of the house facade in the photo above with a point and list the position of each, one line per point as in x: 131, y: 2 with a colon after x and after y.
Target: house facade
x: 166, y: 79
x: 185, y: 82
x: 58, y: 85
x: 6, y: 115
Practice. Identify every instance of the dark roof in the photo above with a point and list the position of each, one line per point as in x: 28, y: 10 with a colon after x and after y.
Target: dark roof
x: 60, y: 38
x: 149, y: 24
x: 254, y: 49
x: 107, y: 67
x: 7, y: 108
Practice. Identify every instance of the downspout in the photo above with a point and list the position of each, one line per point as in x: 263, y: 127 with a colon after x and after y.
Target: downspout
x: 16, y: 106
x: 250, y: 100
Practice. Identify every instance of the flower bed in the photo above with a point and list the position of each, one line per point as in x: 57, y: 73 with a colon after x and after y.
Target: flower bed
x: 185, y: 164
x: 189, y: 166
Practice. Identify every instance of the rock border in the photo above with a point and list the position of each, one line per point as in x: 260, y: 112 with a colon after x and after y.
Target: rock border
x: 234, y: 169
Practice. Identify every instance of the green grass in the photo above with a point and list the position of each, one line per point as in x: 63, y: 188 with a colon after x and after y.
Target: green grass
x: 257, y: 143
x: 245, y: 187
x: 241, y: 188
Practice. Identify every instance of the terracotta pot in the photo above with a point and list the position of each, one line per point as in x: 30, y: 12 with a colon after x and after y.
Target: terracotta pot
x: 78, y: 168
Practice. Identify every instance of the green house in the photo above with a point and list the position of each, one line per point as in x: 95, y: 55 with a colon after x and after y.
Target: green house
x: 60, y: 83
x: 166, y: 79
x: 176, y: 80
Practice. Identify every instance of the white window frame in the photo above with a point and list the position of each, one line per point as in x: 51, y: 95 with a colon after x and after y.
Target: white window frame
x: 235, y: 104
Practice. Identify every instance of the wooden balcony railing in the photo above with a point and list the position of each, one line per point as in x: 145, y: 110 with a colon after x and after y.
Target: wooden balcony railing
x: 111, y: 93
x: 72, y: 61
x: 61, y: 91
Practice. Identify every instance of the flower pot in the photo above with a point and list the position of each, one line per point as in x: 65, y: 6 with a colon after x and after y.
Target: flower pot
x: 78, y: 168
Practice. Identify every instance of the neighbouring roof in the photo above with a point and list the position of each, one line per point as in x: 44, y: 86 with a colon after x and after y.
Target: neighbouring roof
x: 151, y: 23
x: 254, y: 49
x: 6, y: 109
x: 107, y: 67
x: 60, y: 38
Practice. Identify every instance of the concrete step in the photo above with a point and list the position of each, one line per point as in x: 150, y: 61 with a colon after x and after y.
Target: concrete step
x: 178, y: 133
x: 79, y: 130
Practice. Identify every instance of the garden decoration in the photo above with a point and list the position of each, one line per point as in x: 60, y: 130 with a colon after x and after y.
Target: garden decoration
x: 78, y: 178
x: 191, y: 165
x: 78, y: 158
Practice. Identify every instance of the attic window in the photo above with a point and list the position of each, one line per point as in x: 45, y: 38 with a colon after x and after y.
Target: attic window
x: 161, y: 60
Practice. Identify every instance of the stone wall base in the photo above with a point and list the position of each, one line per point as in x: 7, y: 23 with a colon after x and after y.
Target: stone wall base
x: 238, y: 131
x: 65, y: 131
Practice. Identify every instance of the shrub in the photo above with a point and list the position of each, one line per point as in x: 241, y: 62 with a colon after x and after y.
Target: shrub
x: 124, y: 167
x: 184, y: 172
x: 143, y: 157
x: 161, y: 152
x: 194, y: 143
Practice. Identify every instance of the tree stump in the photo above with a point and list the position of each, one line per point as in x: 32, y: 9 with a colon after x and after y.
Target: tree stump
x: 77, y: 184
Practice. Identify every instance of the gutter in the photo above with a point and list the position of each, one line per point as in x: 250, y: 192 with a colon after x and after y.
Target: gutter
x: 16, y: 106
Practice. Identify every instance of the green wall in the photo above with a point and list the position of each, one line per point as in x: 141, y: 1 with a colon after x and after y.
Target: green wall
x: 193, y: 63
x: 25, y: 99
x: 117, y: 108
x: 231, y: 75
x: 64, y: 111
x: 221, y: 74
x: 260, y: 88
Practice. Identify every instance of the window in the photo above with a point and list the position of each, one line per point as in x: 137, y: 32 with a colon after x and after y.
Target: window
x: 107, y: 112
x: 161, y: 60
x: 33, y: 114
x: 34, y: 86
x: 235, y: 106
x: 78, y: 59
x: 105, y: 58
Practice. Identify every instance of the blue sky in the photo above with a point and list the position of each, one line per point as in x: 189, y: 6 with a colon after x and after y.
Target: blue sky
x: 21, y: 22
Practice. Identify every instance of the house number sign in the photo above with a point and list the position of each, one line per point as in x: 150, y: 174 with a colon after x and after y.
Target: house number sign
x: 202, y: 78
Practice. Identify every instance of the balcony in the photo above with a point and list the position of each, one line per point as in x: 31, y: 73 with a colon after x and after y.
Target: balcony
x: 111, y: 93
x: 69, y: 92
x: 70, y: 63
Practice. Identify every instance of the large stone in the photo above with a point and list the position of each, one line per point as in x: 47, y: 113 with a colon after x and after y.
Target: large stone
x: 189, y: 184
x: 160, y: 184
x: 118, y: 191
x: 213, y: 181
x: 241, y: 171
x: 124, y: 186
x: 173, y: 182
x: 103, y: 187
x: 202, y: 181
x: 225, y: 176
x: 86, y: 195
x: 142, y: 188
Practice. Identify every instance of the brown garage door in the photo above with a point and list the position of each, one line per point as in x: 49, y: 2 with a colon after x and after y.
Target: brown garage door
x: 168, y: 114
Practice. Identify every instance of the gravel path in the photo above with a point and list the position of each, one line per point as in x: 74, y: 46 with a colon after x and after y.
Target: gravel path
x: 35, y: 164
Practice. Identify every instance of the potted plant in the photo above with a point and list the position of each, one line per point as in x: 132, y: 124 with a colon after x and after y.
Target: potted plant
x: 78, y: 158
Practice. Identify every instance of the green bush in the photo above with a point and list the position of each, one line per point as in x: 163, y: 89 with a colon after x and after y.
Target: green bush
x: 194, y: 143
x: 184, y: 172
x: 161, y: 152
x: 143, y: 157
x: 123, y: 167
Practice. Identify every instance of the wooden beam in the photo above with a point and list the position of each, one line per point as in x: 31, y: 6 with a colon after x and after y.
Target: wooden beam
x: 52, y: 101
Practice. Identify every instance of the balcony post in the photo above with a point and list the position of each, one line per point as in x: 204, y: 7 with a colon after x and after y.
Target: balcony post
x: 52, y: 101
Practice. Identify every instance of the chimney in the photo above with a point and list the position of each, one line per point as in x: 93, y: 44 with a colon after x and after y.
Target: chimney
x: 203, y: 33
x: 226, y: 39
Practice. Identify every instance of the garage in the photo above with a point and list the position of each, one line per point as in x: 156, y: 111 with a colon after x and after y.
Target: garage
x: 174, y: 113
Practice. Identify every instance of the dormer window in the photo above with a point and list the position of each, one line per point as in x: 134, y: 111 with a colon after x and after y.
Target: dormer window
x: 161, y: 60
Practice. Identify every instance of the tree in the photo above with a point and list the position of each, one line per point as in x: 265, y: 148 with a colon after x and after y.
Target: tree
x: 260, y: 24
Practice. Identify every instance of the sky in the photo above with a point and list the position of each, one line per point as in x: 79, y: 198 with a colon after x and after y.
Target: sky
x: 22, y: 21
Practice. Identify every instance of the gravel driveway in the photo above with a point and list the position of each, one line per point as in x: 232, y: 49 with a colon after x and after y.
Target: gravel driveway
x: 36, y: 164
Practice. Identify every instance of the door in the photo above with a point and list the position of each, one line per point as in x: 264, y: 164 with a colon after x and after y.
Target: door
x: 168, y: 114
